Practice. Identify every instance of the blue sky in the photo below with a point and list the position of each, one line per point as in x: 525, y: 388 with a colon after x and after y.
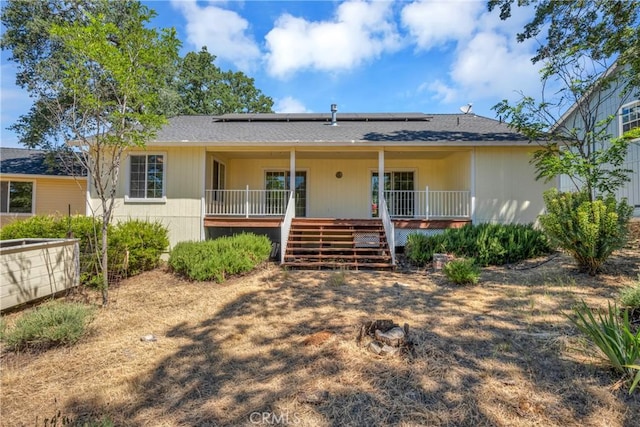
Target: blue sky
x: 365, y: 56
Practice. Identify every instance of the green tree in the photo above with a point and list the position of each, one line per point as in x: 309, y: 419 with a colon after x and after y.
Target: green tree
x: 100, y: 88
x: 204, y: 88
x: 591, y: 54
x: 591, y: 67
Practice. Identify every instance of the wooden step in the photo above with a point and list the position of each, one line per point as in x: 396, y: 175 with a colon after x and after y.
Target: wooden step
x: 332, y: 243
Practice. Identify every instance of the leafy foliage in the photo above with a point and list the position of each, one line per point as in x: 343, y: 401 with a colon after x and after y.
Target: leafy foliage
x: 51, y: 324
x: 463, y: 271
x: 488, y: 244
x: 204, y: 88
x: 612, y: 334
x: 139, y: 243
x: 597, y: 29
x: 142, y: 242
x: 219, y: 258
x: 589, y: 231
x: 630, y: 296
x: 583, y: 39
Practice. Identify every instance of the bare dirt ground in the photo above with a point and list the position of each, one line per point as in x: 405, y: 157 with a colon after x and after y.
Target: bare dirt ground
x: 244, y: 353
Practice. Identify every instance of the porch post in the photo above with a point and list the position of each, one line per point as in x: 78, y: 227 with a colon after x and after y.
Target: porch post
x: 246, y: 202
x: 380, y: 180
x: 473, y: 186
x: 292, y: 177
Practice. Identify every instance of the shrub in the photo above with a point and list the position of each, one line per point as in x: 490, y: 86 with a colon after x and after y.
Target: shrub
x: 51, y: 324
x: 589, y: 231
x: 216, y: 259
x: 463, y: 271
x: 143, y: 241
x: 630, y: 296
x: 611, y: 333
x: 488, y: 244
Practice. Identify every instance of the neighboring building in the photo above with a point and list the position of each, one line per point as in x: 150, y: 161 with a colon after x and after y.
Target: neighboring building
x: 624, y: 108
x: 33, y: 184
x: 206, y: 176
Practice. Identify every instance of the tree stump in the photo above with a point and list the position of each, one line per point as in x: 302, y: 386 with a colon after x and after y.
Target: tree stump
x: 384, y: 337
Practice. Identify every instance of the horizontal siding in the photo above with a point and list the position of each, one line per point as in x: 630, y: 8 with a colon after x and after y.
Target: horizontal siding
x: 57, y: 196
x: 36, y: 273
x: 350, y: 195
x: 181, y: 212
x: 506, y: 189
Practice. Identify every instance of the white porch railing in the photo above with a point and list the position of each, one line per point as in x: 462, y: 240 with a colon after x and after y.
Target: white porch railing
x: 389, y: 230
x: 286, y: 226
x: 428, y: 204
x: 246, y: 202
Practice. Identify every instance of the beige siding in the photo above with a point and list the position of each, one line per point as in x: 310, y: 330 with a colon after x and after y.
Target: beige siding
x: 506, y: 189
x: 350, y: 196
x: 181, y: 212
x: 36, y: 270
x: 53, y: 196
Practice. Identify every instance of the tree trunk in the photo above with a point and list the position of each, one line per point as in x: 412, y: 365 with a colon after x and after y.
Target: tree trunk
x: 104, y: 265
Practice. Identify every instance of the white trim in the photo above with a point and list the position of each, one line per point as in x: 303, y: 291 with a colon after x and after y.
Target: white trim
x: 20, y: 176
x: 473, y: 186
x: 286, y: 170
x: 203, y: 207
x: 33, y: 196
x: 154, y: 200
x: 627, y: 105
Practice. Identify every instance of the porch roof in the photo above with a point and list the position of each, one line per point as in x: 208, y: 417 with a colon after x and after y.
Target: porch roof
x: 310, y: 129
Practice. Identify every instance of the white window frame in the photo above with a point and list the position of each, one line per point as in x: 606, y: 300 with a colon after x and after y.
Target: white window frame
x: 635, y: 103
x: 146, y: 154
x: 33, y: 197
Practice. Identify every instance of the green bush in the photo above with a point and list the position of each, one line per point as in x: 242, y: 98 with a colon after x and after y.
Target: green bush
x: 463, y: 271
x: 488, y: 244
x: 630, y: 296
x: 219, y: 258
x: 611, y: 333
x: 141, y: 241
x: 589, y: 231
x: 50, y: 324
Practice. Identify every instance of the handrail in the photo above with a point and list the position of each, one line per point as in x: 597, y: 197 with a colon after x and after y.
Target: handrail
x: 389, y: 229
x: 246, y: 202
x: 285, y: 228
x: 429, y: 203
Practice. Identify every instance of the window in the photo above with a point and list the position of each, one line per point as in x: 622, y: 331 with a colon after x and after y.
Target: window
x: 146, y: 176
x: 218, y: 179
x: 280, y: 180
x: 17, y: 197
x: 398, y: 190
x: 629, y: 116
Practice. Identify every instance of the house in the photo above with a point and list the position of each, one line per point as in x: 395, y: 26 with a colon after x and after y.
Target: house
x: 208, y: 176
x: 32, y: 182
x: 620, y: 110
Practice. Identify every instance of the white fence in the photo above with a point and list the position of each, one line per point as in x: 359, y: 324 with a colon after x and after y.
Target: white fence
x: 246, y: 202
x: 428, y: 204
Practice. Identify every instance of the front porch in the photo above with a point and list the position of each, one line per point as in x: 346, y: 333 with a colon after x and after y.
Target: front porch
x: 331, y: 242
x: 397, y: 190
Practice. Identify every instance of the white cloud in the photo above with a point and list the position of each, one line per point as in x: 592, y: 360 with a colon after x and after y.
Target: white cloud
x: 289, y: 104
x: 434, y: 23
x: 488, y: 63
x: 490, y: 66
x: 359, y: 32
x: 224, y: 32
x: 441, y: 91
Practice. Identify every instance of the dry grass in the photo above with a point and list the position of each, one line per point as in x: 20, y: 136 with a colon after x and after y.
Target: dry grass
x: 283, y: 343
